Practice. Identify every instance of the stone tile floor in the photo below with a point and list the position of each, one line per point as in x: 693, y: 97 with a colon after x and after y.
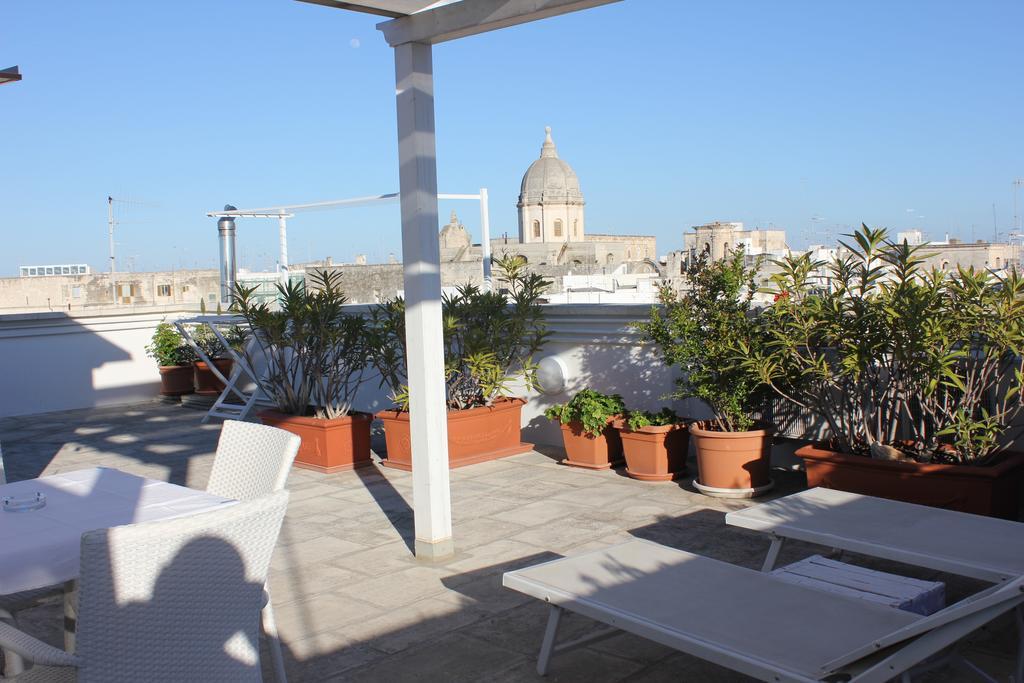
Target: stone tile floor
x: 354, y: 605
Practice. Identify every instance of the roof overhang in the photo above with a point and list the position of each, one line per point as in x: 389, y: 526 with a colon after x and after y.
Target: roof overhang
x: 419, y: 21
x: 9, y: 75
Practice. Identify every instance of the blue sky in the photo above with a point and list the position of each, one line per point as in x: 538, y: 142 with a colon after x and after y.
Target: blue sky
x: 807, y: 115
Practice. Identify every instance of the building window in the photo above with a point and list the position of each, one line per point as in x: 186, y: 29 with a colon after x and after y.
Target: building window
x: 31, y: 271
x: 536, y: 228
x: 558, y: 228
x: 609, y: 259
x: 66, y: 270
x: 999, y: 262
x: 707, y: 247
x: 49, y: 270
x: 184, y: 288
x: 945, y: 265
x: 163, y: 290
x: 725, y: 248
x: 629, y: 254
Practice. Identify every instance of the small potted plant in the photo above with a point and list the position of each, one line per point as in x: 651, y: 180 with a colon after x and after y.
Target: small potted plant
x: 655, y: 444
x: 316, y: 357
x: 174, y: 359
x: 591, y: 440
x: 207, y: 383
x: 700, y: 331
x: 490, y: 339
x: 916, y: 373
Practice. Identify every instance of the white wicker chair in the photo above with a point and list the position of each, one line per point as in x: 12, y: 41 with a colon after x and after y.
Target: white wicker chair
x: 253, y: 460
x: 173, y: 600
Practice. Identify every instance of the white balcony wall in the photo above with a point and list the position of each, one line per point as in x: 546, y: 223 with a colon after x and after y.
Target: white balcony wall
x: 50, y: 361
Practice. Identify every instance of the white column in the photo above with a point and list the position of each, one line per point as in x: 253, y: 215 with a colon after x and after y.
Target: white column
x: 421, y: 258
x: 485, y: 237
x: 282, y: 230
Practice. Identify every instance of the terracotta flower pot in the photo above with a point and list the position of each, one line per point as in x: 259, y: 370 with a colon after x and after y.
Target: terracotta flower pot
x: 732, y: 464
x: 591, y: 452
x: 327, y: 445
x: 656, y: 453
x: 474, y: 435
x: 206, y: 382
x: 987, y: 490
x: 176, y: 380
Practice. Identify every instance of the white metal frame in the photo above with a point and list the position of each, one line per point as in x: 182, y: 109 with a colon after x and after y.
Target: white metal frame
x: 224, y: 407
x: 282, y: 213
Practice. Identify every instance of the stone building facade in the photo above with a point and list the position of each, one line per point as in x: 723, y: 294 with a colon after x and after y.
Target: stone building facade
x: 550, y: 200
x: 720, y: 238
x: 79, y: 292
x: 552, y: 226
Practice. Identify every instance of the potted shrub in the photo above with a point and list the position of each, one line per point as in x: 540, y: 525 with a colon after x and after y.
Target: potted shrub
x: 316, y: 357
x: 490, y: 339
x: 590, y: 438
x: 174, y: 359
x: 916, y: 373
x: 699, y: 330
x: 655, y: 445
x: 207, y: 383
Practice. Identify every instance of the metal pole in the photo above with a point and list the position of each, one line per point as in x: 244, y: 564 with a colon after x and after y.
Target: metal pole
x: 110, y: 238
x: 485, y: 237
x: 228, y: 266
x: 283, y: 258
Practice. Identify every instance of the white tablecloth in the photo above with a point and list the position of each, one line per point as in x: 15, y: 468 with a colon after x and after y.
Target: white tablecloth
x: 40, y: 548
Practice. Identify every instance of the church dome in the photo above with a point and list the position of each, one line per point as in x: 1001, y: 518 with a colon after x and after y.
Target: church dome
x: 549, y: 180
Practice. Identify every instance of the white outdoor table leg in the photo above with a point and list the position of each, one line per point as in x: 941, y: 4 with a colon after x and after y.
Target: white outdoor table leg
x: 773, y: 553
x: 70, y: 614
x: 550, y: 633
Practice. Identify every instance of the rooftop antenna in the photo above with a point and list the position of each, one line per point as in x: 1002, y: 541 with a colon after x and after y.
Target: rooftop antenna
x: 1017, y: 184
x: 110, y: 238
x: 995, y: 230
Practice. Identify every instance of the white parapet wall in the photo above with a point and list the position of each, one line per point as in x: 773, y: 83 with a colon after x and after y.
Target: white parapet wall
x: 52, y: 361
x: 601, y: 351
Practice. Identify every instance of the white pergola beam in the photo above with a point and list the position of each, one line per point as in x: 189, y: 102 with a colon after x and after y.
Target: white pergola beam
x: 383, y: 8
x: 471, y: 17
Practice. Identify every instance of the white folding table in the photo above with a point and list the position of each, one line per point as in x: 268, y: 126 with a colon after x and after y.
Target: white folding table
x: 226, y: 406
x: 40, y: 548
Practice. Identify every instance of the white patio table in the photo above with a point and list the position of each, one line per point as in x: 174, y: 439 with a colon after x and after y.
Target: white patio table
x: 40, y: 548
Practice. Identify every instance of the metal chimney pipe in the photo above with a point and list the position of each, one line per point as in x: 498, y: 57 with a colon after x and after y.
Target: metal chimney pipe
x: 228, y: 264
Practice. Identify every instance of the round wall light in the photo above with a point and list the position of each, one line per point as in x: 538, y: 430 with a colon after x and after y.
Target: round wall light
x: 551, y: 375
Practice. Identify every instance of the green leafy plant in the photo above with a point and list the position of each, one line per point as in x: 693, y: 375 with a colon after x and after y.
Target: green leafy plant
x: 490, y: 339
x: 589, y: 408
x: 207, y: 341
x: 891, y: 353
x: 168, y: 348
x: 638, y: 419
x: 316, y: 354
x: 700, y: 330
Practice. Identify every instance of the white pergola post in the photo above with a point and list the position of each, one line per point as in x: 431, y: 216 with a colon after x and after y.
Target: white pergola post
x: 485, y: 237
x: 421, y: 258
x: 282, y: 234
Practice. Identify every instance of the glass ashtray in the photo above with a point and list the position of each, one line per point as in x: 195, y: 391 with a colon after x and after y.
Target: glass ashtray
x: 26, y: 503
